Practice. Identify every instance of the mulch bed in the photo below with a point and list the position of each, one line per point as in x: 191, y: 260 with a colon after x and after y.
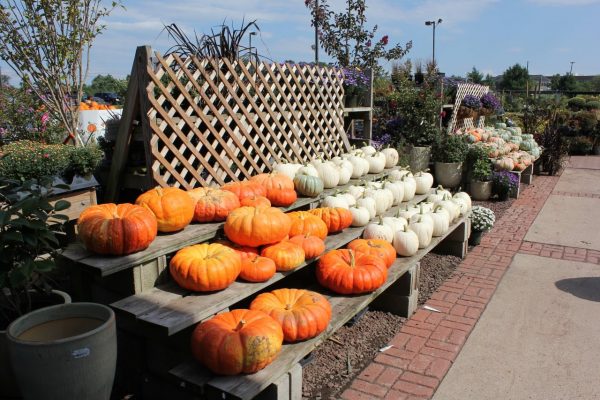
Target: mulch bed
x: 337, y: 362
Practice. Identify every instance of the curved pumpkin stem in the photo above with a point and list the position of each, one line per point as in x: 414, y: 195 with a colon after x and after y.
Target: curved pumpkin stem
x: 240, y: 325
x: 352, y: 259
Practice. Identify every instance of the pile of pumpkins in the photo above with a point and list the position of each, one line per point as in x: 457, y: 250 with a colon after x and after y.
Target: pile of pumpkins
x: 510, y: 149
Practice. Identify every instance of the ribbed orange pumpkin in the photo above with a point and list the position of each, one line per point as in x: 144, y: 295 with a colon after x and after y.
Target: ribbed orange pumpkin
x: 375, y: 247
x: 336, y: 219
x: 243, y: 251
x: 304, y: 223
x: 257, y: 226
x: 302, y: 314
x: 215, y: 206
x: 280, y: 188
x: 313, y: 246
x: 197, y: 193
x: 245, y: 189
x: 116, y: 229
x: 205, y: 267
x: 257, y: 269
x: 256, y: 201
x: 172, y: 207
x: 348, y: 272
x: 286, y: 255
x: 236, y: 342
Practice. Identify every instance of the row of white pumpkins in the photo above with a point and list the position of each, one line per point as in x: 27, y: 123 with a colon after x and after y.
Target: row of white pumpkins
x: 339, y: 170
x: 415, y: 225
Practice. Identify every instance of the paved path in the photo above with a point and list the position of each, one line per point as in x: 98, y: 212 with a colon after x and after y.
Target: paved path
x: 538, y: 337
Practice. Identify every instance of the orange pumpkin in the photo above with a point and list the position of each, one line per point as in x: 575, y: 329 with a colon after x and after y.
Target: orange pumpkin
x: 257, y: 226
x: 375, y: 247
x: 279, y: 187
x: 245, y: 189
x: 304, y: 223
x: 336, y: 219
x: 243, y: 251
x: 172, y: 207
x: 257, y: 269
x: 215, y: 205
x: 302, y: 314
x: 205, y: 267
x: 313, y: 246
x: 348, y: 272
x: 236, y: 342
x: 256, y: 201
x: 116, y: 229
x: 287, y: 255
x: 197, y: 193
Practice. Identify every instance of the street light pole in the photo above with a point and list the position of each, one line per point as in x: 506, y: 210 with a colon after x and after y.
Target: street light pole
x: 434, y: 23
x: 317, y: 32
x: 250, y: 45
x: 571, y: 72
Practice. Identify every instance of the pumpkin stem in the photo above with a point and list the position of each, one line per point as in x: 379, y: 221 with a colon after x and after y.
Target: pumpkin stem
x: 288, y: 307
x: 240, y: 325
x: 352, y: 258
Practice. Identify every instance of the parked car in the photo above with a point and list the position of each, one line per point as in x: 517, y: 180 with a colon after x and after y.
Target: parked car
x: 109, y: 98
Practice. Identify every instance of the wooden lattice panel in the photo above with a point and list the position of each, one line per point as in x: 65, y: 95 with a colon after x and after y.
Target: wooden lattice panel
x: 462, y: 90
x: 213, y: 121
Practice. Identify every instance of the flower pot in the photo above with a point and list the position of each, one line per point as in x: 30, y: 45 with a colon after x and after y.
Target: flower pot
x: 448, y: 174
x: 481, y: 190
x: 351, y: 101
x: 8, y: 383
x: 475, y: 238
x: 503, y: 194
x: 465, y: 112
x: 419, y: 158
x: 65, y: 352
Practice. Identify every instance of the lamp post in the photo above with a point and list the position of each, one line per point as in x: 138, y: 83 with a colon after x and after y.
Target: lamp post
x: 250, y: 48
x: 317, y: 33
x: 571, y: 72
x: 434, y: 23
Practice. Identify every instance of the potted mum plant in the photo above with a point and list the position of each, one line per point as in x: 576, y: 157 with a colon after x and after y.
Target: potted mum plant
x: 449, y: 154
x: 469, y: 107
x: 481, y: 185
x: 490, y: 104
x: 504, y: 182
x: 482, y: 220
x: 356, y: 84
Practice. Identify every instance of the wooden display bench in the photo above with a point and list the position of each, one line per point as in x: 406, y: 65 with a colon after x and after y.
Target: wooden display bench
x: 525, y: 176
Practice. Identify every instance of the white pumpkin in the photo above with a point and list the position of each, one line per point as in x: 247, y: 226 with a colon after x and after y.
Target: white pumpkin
x: 349, y: 198
x: 360, y: 166
x: 391, y: 157
x: 462, y: 205
x: 406, y: 242
x: 465, y: 197
x: 356, y: 191
x: 383, y: 199
x: 450, y: 206
x: 360, y: 216
x: 396, y: 223
x: 335, y: 201
x: 328, y: 172
x: 407, y: 212
x: 423, y: 216
x: 427, y: 206
x: 374, y: 185
x: 410, y: 187
x: 346, y: 169
x: 368, y: 150
x: 378, y: 230
x: 438, y: 194
x: 308, y: 169
x: 424, y: 181
x: 397, y: 174
x: 376, y: 162
x: 397, y: 189
x: 369, y: 204
x: 345, y: 175
x: 288, y: 169
x: 441, y: 221
x: 424, y: 231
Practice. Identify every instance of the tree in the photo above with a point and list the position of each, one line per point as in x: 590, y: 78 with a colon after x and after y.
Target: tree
x: 345, y: 38
x: 107, y: 84
x: 514, y: 78
x: 4, y: 80
x: 564, y: 83
x: 489, y: 81
x: 47, y: 44
x: 475, y: 76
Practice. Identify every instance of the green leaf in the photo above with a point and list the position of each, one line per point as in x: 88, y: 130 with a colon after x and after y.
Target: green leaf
x: 12, y: 237
x: 31, y: 240
x: 44, y: 265
x: 61, y: 205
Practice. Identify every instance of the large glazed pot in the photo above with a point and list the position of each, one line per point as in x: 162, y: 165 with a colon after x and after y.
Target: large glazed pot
x: 419, y: 158
x: 64, y: 352
x: 481, y: 190
x: 448, y: 174
x: 8, y: 384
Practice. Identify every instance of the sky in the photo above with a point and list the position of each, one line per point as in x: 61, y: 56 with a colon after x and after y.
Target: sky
x: 491, y: 35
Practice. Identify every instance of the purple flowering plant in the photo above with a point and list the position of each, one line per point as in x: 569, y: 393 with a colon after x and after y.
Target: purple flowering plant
x: 355, y: 81
x: 490, y: 101
x: 471, y: 101
x: 505, y: 181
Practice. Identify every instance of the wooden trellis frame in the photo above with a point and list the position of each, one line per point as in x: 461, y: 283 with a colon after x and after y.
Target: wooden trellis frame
x: 206, y: 122
x: 462, y: 90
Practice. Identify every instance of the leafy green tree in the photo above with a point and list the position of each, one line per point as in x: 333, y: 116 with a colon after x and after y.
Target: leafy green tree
x: 564, y: 83
x: 4, y: 80
x: 514, y: 78
x: 107, y: 84
x: 345, y: 38
x: 475, y: 76
x: 47, y: 44
x: 489, y: 81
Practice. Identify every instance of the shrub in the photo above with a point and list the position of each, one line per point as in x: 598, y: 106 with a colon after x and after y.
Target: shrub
x: 592, y: 105
x: 450, y: 149
x: 24, y: 160
x: 586, y: 120
x: 482, y: 218
x: 482, y: 170
x: 576, y: 103
x: 580, y: 145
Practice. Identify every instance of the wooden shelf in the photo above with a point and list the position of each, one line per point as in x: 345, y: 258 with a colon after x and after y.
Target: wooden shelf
x: 358, y: 110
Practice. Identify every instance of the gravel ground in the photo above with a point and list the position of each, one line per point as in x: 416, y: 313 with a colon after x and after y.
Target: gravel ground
x: 328, y: 374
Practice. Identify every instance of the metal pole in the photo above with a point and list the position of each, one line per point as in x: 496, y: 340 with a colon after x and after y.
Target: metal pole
x: 433, y: 42
x: 571, y: 72
x: 317, y: 32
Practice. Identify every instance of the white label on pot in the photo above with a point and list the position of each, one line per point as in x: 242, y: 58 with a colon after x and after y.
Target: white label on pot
x: 80, y: 353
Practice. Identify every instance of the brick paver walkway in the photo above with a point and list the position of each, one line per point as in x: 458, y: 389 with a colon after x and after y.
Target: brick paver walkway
x: 428, y: 342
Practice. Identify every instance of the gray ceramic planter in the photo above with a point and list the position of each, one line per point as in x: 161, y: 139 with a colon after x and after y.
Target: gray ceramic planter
x: 449, y: 175
x: 481, y: 190
x: 419, y: 158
